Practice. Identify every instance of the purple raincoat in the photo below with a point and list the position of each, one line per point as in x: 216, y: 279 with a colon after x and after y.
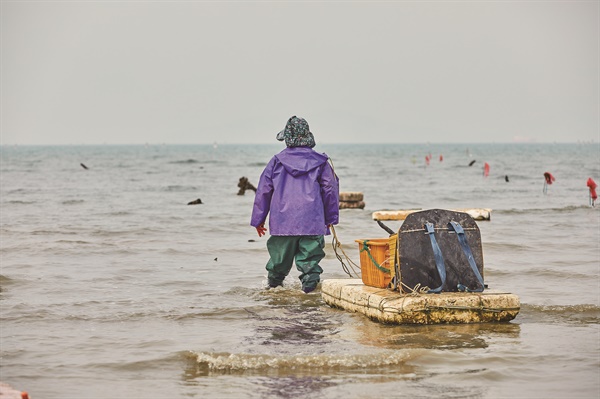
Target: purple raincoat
x: 300, y: 192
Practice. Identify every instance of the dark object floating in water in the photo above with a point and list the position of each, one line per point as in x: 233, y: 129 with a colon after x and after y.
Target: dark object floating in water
x: 352, y: 200
x: 83, y: 166
x: 195, y: 202
x: 244, y: 185
x: 472, y: 162
x: 506, y: 178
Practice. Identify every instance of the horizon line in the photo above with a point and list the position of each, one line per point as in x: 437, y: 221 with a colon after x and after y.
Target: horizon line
x: 276, y: 143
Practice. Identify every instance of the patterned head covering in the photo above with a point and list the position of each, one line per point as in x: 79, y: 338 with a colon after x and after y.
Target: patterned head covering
x: 297, y: 133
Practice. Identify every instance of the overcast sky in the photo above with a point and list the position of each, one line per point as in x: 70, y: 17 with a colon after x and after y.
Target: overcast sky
x: 87, y: 72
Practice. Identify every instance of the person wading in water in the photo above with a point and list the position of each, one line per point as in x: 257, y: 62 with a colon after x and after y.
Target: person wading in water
x: 299, y: 191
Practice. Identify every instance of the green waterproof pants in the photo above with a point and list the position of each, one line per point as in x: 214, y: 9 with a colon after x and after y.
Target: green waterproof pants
x: 307, y: 251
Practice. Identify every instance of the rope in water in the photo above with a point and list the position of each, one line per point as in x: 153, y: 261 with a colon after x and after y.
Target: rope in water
x: 351, y: 265
x: 337, y: 244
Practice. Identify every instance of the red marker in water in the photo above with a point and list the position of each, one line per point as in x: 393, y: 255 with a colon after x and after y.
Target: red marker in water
x: 486, y: 169
x: 592, y: 186
x: 548, y: 180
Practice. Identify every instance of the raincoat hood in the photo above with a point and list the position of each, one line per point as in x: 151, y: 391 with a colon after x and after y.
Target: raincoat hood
x: 300, y: 160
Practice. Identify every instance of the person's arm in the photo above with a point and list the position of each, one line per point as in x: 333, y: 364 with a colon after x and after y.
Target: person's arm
x: 262, y: 199
x: 330, y: 192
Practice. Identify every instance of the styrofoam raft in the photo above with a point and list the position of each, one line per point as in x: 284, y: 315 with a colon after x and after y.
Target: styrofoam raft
x: 388, y: 306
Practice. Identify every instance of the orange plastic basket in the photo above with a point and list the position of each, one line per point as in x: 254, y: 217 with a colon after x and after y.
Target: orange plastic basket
x: 377, y: 260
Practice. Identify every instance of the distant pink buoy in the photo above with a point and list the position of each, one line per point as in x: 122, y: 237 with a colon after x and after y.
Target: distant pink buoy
x: 592, y: 186
x: 549, y: 179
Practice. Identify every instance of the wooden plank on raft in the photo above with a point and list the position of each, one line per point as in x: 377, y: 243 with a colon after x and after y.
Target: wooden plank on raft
x: 475, y: 213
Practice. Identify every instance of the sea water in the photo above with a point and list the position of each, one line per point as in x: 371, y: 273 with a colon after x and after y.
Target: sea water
x: 112, y: 286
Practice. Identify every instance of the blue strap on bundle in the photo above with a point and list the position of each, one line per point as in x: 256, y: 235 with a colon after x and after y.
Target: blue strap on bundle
x: 439, y: 259
x: 462, y: 239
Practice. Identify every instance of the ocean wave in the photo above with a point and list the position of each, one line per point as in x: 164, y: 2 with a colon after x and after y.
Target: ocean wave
x: 195, y: 162
x: 119, y: 213
x: 111, y: 309
x: 19, y: 202
x: 257, y: 164
x: 241, y: 362
x: 53, y: 232
x: 184, y: 162
x: 75, y: 242
x: 117, y: 233
x: 22, y: 190
x: 508, y: 247
x: 216, y: 313
x: 579, y: 314
x: 540, y: 273
x: 72, y: 202
x: 515, y: 211
x: 157, y: 363
x: 178, y: 188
